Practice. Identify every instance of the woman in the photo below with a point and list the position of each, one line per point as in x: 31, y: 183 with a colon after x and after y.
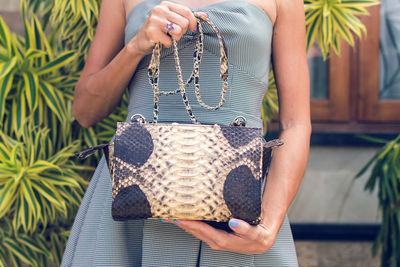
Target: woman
x: 119, y: 55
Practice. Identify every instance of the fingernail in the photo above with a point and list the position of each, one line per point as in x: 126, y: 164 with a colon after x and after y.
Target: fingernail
x: 176, y: 222
x: 233, y: 223
x: 195, y: 30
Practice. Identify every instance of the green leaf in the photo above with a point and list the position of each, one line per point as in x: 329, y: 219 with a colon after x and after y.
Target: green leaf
x: 90, y: 137
x: 5, y: 88
x: 31, y: 83
x: 312, y: 32
x: 3, y: 261
x: 85, y: 12
x: 62, y: 60
x: 41, y: 40
x: 16, y: 250
x: 56, y: 246
x: 30, y: 40
x: 329, y: 21
x: 61, y: 180
x: 32, y: 244
x: 29, y: 195
x: 18, y: 112
x: 7, y: 197
x: 367, y: 165
x: 41, y: 166
x: 33, y: 53
x: 55, y: 103
x: 8, y: 66
x: 45, y: 190
x: 6, y: 38
x: 371, y: 139
x: 4, y: 153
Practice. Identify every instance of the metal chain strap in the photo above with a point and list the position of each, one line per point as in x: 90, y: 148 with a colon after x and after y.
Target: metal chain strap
x: 153, y: 71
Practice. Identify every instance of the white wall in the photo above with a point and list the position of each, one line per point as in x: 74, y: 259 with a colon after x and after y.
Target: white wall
x: 9, y: 5
x: 329, y: 193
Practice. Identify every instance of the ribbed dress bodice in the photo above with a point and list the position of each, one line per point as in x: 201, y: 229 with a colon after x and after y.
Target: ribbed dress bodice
x: 247, y: 31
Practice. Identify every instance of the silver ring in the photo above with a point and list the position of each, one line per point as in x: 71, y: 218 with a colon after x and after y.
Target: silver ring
x: 169, y: 26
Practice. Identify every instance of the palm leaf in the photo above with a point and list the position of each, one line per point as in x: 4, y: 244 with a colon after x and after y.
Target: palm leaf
x: 327, y: 21
x: 13, y: 247
x: 8, y: 66
x: 62, y: 60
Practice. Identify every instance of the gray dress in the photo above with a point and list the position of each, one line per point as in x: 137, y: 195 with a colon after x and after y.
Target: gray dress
x: 97, y: 240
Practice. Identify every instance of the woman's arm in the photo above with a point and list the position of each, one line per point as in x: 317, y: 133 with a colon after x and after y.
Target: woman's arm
x: 108, y: 68
x: 292, y: 79
x: 289, y: 161
x: 110, y: 64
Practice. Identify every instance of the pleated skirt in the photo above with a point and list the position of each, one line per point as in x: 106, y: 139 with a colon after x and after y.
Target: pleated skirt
x: 97, y: 240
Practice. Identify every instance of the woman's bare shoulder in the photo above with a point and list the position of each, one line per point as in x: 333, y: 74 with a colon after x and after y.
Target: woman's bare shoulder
x: 289, y: 7
x: 129, y: 5
x: 108, y: 38
x: 110, y: 33
x: 269, y: 8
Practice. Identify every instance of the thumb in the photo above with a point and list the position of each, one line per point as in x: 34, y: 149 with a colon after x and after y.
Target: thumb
x: 239, y: 226
x: 202, y: 13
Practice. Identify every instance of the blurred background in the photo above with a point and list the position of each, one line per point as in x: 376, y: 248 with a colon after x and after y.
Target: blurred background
x: 347, y: 207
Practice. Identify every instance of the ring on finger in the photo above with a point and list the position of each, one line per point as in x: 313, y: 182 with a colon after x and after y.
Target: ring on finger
x: 169, y: 26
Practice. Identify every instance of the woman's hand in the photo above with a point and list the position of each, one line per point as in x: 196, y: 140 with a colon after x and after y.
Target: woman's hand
x: 246, y: 238
x: 154, y: 29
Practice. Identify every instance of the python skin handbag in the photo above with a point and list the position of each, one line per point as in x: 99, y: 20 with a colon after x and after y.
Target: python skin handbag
x: 187, y: 171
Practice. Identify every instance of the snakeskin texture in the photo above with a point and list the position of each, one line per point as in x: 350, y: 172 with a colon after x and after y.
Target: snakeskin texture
x: 197, y: 172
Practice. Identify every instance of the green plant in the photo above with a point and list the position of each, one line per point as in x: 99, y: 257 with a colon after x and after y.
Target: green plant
x: 39, y: 186
x: 32, y: 81
x: 37, y: 82
x: 34, y: 175
x: 328, y: 21
x: 269, y: 107
x: 37, y: 249
x: 74, y: 23
x: 385, y: 177
x: 24, y: 248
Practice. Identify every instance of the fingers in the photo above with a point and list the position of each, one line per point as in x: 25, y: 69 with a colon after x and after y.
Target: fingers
x: 182, y: 16
x: 240, y: 227
x: 181, y: 12
x: 155, y: 35
x: 202, y: 13
x: 215, y: 238
x: 154, y: 29
x: 245, y: 230
x: 246, y: 238
x: 259, y: 234
x: 164, y: 13
x: 179, y: 25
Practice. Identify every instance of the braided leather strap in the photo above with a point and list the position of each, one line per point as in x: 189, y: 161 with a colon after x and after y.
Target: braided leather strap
x: 153, y: 71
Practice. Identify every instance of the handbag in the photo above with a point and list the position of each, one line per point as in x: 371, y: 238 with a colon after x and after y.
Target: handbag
x: 194, y: 171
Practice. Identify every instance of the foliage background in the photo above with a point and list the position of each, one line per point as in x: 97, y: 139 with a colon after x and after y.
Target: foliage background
x: 41, y: 184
